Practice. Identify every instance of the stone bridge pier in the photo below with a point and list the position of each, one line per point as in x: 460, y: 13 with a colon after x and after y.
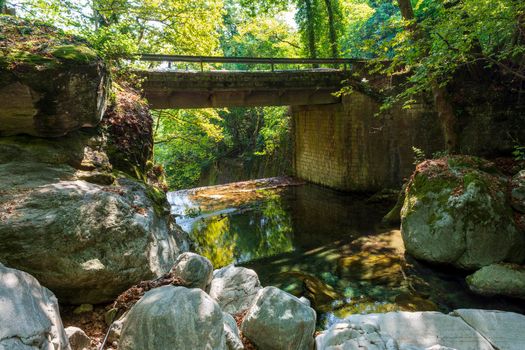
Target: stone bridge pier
x: 347, y: 147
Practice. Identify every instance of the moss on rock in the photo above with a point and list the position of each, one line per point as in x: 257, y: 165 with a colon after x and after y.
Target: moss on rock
x: 457, y: 212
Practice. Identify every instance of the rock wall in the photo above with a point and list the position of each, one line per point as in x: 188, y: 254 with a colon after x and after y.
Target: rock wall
x: 346, y: 147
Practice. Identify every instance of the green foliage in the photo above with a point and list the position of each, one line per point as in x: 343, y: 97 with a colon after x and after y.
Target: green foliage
x: 419, y: 155
x: 187, y: 141
x: 450, y: 35
x: 519, y: 152
x: 127, y: 26
x: 275, y: 131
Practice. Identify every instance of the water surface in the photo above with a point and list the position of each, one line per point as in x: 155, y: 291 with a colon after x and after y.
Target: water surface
x: 325, y: 245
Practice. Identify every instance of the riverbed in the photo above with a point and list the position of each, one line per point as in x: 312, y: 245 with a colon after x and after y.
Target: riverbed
x: 325, y: 245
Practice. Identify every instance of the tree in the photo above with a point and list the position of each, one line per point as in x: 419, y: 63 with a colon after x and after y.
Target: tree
x: 308, y: 25
x: 125, y: 26
x: 444, y: 108
x: 442, y: 38
x: 332, y: 11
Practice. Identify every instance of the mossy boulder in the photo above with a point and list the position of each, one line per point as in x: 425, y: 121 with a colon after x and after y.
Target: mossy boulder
x: 457, y: 212
x: 50, y: 83
x: 499, y: 279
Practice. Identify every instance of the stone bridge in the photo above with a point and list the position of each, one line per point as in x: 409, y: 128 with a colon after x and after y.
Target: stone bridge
x: 338, y: 142
x: 215, y: 89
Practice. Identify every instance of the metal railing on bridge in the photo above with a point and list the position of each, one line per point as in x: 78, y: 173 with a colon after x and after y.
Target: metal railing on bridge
x: 272, y: 62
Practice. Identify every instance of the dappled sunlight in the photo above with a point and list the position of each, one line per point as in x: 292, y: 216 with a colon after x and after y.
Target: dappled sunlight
x: 321, y: 244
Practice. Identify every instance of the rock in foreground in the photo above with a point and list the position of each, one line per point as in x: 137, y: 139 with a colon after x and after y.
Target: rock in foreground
x: 29, y: 317
x: 504, y: 330
x: 278, y: 320
x: 346, y: 335
x: 78, y: 339
x: 193, y: 269
x: 403, y: 330
x: 457, y: 212
x: 84, y: 241
x: 234, y: 288
x: 174, y: 318
x: 499, y: 279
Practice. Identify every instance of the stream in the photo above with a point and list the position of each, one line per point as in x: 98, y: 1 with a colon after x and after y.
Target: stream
x: 326, y: 245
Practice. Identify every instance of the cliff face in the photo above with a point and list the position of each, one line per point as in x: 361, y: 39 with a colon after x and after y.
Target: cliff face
x: 50, y: 83
x: 80, y: 208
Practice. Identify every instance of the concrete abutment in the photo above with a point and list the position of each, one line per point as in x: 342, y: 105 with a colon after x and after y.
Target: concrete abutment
x: 347, y: 147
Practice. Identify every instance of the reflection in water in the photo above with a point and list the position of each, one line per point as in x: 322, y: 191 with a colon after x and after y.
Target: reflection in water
x: 321, y: 244
x: 260, y: 229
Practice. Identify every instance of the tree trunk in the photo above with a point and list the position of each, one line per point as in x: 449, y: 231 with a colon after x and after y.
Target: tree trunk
x: 444, y: 108
x: 310, y: 22
x: 406, y: 9
x: 331, y: 29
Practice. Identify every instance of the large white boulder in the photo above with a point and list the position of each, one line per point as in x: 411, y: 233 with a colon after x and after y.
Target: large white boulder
x: 86, y: 242
x: 171, y: 317
x: 234, y: 288
x: 350, y: 336
x: 422, y: 330
x: 504, y: 330
x: 29, y: 317
x: 278, y: 320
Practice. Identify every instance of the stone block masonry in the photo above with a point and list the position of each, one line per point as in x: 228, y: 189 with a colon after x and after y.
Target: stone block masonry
x: 347, y: 147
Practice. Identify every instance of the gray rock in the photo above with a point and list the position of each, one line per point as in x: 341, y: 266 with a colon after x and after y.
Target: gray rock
x: 305, y: 301
x: 499, y: 279
x: 349, y: 336
x: 518, y: 192
x: 29, y: 316
x: 85, y: 242
x: 457, y: 212
x: 174, y: 318
x: 278, y: 320
x: 425, y: 330
x: 195, y: 270
x: 234, y: 288
x: 504, y: 330
x: 116, y: 330
x: 233, y: 338
x: 53, y: 101
x: 78, y: 339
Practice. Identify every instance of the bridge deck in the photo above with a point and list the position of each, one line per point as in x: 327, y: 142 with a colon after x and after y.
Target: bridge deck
x: 181, y: 89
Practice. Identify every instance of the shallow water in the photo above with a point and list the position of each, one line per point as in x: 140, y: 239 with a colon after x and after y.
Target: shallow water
x: 322, y: 244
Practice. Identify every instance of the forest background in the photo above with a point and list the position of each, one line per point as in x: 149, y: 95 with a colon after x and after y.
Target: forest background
x: 430, y: 39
